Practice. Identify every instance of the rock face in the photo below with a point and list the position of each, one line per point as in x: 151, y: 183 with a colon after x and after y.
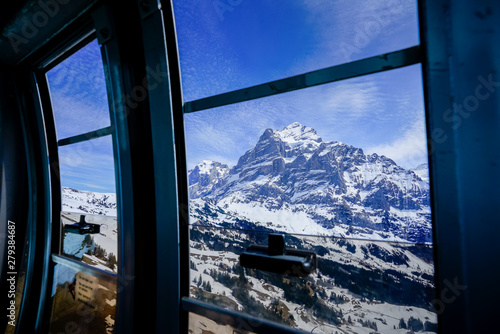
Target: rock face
x: 205, y: 177
x: 340, y: 190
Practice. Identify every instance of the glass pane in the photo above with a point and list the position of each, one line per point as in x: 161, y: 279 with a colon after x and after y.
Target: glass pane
x: 78, y: 93
x: 89, y: 166
x: 334, y: 160
x: 94, y: 242
x: 341, y: 169
x: 359, y: 286
x: 89, y: 230
x: 82, y: 302
x: 226, y: 45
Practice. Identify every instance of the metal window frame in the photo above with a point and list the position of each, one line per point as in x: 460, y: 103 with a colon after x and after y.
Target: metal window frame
x: 32, y: 308
x: 167, y: 131
x: 44, y: 184
x: 376, y: 64
x: 43, y: 167
x: 86, y: 136
x: 237, y: 320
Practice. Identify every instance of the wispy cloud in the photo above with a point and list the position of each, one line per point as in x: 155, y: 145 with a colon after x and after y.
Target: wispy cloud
x: 78, y: 93
x: 365, y: 112
x: 95, y: 186
x: 409, y: 150
x: 87, y: 164
x: 355, y: 29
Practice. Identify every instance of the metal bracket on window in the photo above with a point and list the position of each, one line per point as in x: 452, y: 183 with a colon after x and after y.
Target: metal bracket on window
x: 102, y: 24
x: 83, y: 227
x: 148, y: 7
x: 278, y: 259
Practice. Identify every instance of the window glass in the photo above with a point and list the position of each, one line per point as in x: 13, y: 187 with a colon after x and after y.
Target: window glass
x: 89, y: 166
x: 359, y: 285
x: 95, y: 243
x: 347, y: 159
x: 89, y: 225
x: 78, y: 93
x: 341, y: 170
x: 227, y: 45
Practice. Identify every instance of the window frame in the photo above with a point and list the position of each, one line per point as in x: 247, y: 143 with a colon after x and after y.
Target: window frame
x: 69, y: 45
x: 375, y: 64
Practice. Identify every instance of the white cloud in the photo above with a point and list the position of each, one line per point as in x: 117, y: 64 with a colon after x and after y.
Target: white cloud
x: 409, y: 150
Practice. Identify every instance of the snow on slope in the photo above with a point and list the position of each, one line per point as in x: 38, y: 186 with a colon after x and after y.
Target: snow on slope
x: 422, y: 170
x: 354, y: 310
x: 98, y: 208
x: 300, y: 184
x: 88, y: 202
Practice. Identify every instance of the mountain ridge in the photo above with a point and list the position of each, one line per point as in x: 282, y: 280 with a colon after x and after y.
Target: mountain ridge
x: 334, y: 184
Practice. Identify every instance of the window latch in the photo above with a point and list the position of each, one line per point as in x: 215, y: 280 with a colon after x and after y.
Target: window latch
x: 277, y: 259
x: 83, y: 227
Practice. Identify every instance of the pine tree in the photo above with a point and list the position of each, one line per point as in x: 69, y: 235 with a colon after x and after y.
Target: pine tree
x: 200, y: 281
x: 111, y: 261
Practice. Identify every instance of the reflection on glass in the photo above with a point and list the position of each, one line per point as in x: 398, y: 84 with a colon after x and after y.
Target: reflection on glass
x: 227, y: 45
x: 88, y: 218
x: 78, y: 93
x: 359, y: 285
x: 82, y: 302
x: 91, y: 239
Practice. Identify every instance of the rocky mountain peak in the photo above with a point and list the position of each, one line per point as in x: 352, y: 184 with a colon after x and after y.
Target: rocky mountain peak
x: 332, y: 183
x: 277, y: 146
x: 297, y: 133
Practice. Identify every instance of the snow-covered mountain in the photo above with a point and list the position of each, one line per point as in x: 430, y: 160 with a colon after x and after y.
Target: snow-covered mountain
x: 88, y: 202
x: 294, y: 182
x: 422, y: 170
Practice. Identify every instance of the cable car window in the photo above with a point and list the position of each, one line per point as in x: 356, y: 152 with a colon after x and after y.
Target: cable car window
x: 310, y: 208
x: 86, y: 161
x: 84, y: 293
x: 78, y: 93
x: 227, y: 45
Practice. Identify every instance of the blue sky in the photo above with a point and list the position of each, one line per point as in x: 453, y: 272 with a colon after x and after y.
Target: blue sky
x: 226, y: 45
x: 79, y: 99
x: 229, y: 44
